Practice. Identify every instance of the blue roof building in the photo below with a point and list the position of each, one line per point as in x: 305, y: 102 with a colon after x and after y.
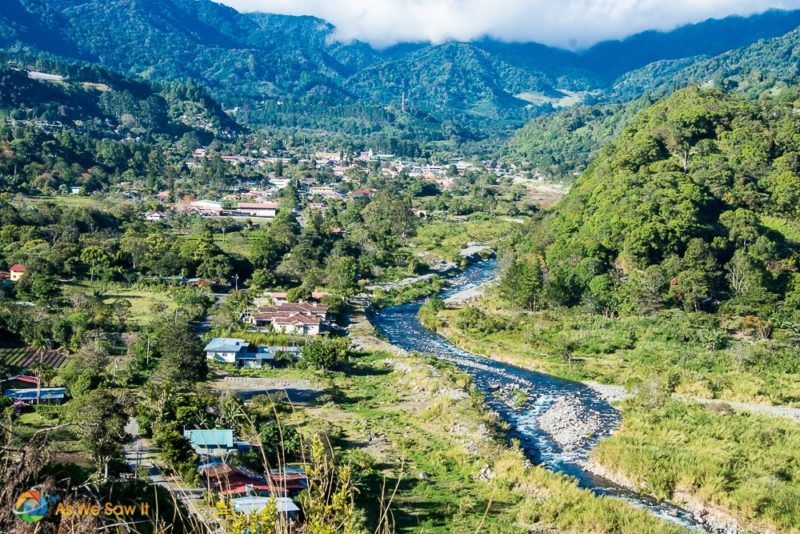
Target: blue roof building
x: 225, y: 349
x: 52, y: 395
x: 210, y: 439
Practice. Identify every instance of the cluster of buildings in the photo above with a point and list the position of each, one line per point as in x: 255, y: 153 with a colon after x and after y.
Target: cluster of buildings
x: 26, y: 391
x: 212, y: 208
x: 255, y: 201
x: 301, y: 318
x: 246, y: 489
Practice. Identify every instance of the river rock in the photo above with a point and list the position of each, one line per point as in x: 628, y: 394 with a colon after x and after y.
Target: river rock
x: 570, y: 423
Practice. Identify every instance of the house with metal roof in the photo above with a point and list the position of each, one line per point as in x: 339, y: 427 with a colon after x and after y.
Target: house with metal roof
x: 225, y: 349
x: 210, y: 439
x: 37, y: 395
x: 22, y: 382
x: 216, y: 443
x: 243, y: 354
x: 248, y: 505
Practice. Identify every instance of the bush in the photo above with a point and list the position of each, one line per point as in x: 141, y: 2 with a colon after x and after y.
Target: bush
x: 326, y: 353
x: 474, y: 319
x: 428, y: 313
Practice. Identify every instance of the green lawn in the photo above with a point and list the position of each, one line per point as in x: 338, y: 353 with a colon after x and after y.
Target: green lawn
x: 142, y: 301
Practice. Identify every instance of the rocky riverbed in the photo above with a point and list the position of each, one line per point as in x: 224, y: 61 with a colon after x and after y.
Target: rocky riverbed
x: 571, y: 423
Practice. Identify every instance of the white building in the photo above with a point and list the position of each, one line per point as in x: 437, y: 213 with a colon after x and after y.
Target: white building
x: 258, y: 209
x: 225, y: 349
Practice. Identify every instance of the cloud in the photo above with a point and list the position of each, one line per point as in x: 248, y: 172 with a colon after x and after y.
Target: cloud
x: 564, y: 23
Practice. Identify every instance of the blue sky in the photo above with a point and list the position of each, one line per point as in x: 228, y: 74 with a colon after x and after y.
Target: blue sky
x: 565, y: 23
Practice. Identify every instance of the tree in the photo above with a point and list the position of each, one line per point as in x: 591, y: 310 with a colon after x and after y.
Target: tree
x: 698, y: 276
x: 176, y: 451
x: 100, y: 419
x: 326, y: 354
x: 342, y: 274
x: 216, y: 268
x: 601, y: 295
x: 85, y: 371
x: 38, y: 287
x: 647, y: 287
x: 523, y: 282
x: 389, y: 221
x: 97, y: 259
x: 181, y: 356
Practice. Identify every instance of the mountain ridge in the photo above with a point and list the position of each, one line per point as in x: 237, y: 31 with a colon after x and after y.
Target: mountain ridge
x: 247, y: 58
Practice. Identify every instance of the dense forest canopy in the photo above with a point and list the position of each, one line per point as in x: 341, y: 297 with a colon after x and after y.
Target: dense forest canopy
x: 694, y: 203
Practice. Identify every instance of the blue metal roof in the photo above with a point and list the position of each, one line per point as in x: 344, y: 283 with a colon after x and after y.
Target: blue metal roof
x: 226, y: 344
x: 210, y: 439
x: 33, y: 394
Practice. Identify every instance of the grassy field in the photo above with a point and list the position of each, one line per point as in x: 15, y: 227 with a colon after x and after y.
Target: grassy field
x: 143, y: 302
x: 745, y: 464
x: 444, y: 239
x: 238, y: 243
x: 741, y: 464
x: 694, y: 353
x: 408, y: 423
x: 79, y: 201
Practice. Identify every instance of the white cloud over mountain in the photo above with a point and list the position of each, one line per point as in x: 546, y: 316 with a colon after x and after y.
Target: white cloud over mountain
x: 565, y: 23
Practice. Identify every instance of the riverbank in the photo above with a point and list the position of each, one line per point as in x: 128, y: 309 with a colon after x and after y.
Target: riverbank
x: 691, y: 351
x: 700, y: 456
x: 437, y: 413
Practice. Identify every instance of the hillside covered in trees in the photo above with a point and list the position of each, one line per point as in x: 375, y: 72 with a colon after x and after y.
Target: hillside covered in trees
x: 563, y: 143
x: 695, y: 204
x: 257, y: 61
x: 37, y: 88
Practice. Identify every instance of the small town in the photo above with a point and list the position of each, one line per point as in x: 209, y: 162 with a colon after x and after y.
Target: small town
x: 273, y: 267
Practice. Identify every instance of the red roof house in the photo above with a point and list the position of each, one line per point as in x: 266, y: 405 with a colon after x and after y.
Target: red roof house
x: 16, y: 272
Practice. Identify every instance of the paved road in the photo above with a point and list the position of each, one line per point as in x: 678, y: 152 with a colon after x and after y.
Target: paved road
x: 204, y: 325
x: 140, y: 453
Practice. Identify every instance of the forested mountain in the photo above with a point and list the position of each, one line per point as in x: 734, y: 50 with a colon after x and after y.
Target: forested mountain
x: 93, y: 98
x: 695, y: 202
x: 767, y: 65
x: 253, y: 61
x: 709, y: 38
x: 751, y: 70
x: 563, y: 143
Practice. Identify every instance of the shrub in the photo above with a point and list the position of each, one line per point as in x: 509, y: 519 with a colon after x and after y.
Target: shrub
x: 326, y: 353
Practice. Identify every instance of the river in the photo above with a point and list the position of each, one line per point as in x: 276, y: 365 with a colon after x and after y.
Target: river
x: 401, y: 327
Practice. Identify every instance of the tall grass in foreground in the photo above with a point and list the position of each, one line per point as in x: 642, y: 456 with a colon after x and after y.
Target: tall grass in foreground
x: 747, y: 464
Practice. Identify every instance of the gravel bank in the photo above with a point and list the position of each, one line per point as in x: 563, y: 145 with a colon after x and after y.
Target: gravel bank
x: 570, y: 423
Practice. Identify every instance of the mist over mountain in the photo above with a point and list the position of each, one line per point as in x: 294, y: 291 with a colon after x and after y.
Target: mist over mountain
x: 569, y: 24
x: 254, y: 60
